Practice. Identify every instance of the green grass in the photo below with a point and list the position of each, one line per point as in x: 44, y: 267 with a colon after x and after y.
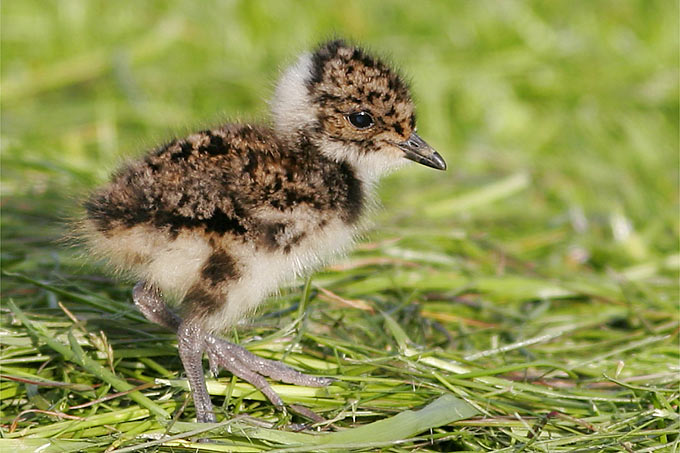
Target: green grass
x: 533, y: 286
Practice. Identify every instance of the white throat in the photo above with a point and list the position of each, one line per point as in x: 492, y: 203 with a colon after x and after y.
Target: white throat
x: 369, y: 166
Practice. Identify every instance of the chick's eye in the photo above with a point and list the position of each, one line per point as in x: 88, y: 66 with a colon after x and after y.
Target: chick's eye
x: 360, y: 120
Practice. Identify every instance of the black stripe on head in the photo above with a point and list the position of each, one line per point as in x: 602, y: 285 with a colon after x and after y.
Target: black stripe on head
x: 324, y: 53
x: 365, y: 59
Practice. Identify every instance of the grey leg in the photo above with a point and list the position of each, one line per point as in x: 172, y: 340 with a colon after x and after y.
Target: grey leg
x: 148, y: 300
x: 193, y: 342
x: 229, y: 355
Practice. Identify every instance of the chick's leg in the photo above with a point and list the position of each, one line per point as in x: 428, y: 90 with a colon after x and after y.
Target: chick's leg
x: 192, y: 342
x: 149, y: 301
x: 237, y: 359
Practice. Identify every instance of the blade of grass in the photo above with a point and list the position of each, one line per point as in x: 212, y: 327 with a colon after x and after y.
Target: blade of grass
x: 47, y: 445
x: 108, y: 306
x: 77, y: 355
x: 444, y: 410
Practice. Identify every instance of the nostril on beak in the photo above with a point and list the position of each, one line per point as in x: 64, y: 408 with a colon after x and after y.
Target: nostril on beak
x: 419, y: 151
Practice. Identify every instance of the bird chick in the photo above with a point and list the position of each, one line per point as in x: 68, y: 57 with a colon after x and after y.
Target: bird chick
x: 213, y: 223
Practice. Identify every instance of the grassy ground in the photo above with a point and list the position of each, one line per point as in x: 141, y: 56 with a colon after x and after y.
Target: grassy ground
x: 536, y: 281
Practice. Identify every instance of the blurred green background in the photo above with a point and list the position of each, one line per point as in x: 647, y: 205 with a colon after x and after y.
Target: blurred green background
x: 567, y: 110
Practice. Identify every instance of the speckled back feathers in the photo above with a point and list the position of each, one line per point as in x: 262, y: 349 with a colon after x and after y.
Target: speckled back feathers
x: 218, y: 180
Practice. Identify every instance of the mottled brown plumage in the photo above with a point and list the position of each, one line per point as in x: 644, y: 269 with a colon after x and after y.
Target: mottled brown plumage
x: 220, y: 219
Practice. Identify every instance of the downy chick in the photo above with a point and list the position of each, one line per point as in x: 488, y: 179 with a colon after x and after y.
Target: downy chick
x: 215, y: 222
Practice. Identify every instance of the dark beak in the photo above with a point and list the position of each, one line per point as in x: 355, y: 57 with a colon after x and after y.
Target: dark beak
x: 417, y: 150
